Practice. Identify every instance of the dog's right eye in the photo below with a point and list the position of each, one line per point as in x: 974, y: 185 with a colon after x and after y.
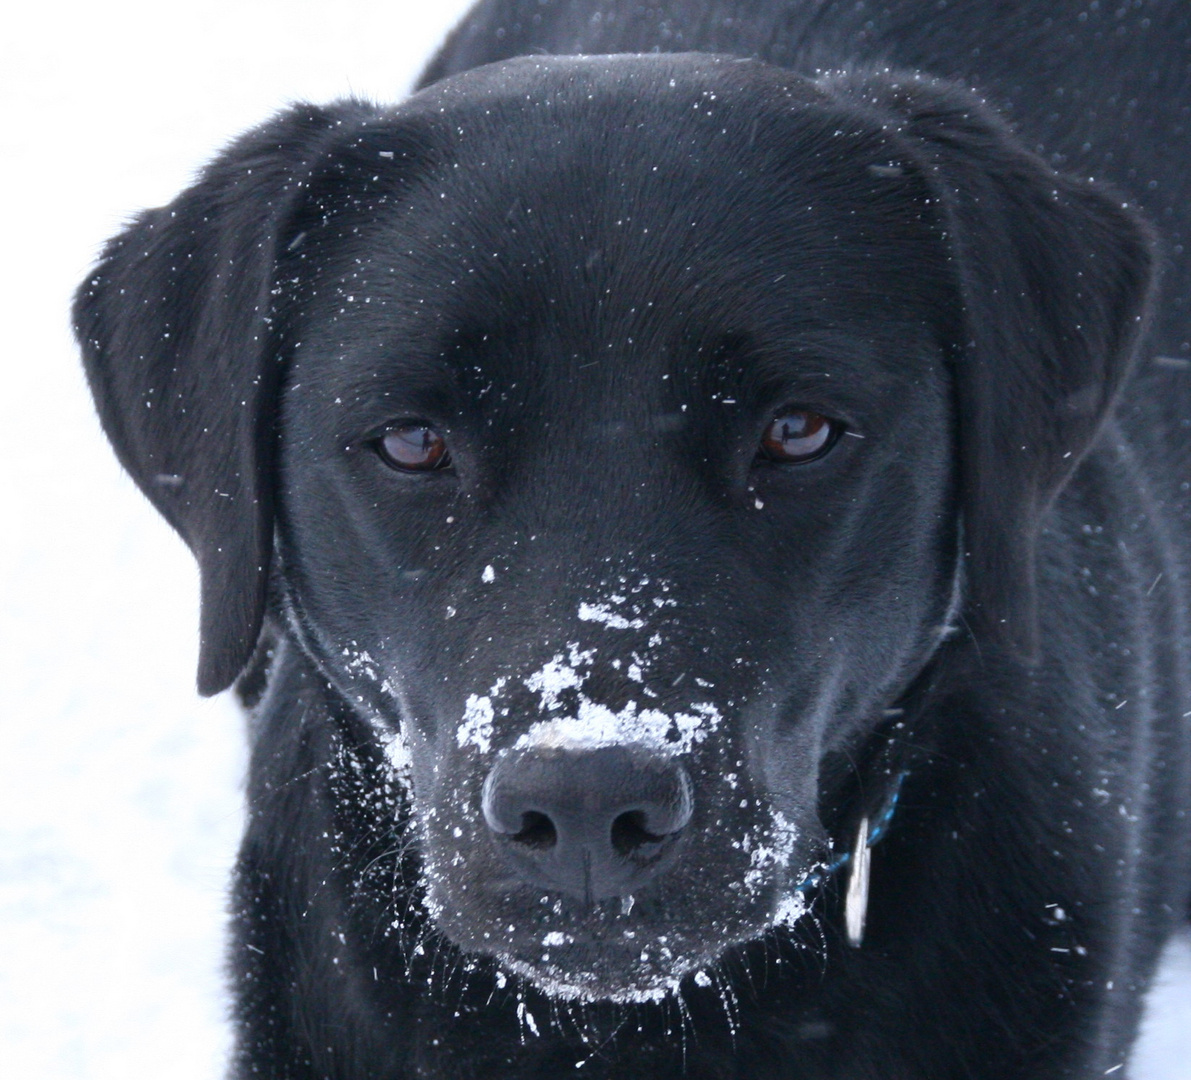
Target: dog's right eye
x: 413, y: 448
x: 797, y: 436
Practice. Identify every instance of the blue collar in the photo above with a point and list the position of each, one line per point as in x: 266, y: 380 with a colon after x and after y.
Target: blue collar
x: 876, y: 833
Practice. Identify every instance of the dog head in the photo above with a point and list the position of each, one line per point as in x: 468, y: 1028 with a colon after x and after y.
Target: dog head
x: 615, y: 420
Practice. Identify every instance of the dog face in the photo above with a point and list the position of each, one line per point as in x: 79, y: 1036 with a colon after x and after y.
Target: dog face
x: 638, y: 452
x: 626, y: 411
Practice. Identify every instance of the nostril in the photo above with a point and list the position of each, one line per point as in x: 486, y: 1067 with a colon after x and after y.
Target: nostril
x: 537, y: 831
x: 629, y: 834
x: 591, y: 823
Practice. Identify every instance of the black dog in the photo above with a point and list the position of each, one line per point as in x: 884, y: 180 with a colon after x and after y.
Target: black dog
x: 645, y: 498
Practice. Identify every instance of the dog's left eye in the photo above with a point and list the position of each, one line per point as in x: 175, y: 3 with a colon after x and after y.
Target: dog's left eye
x: 798, y: 435
x: 413, y: 448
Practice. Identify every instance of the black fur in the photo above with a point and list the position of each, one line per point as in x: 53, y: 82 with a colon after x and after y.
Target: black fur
x: 600, y: 280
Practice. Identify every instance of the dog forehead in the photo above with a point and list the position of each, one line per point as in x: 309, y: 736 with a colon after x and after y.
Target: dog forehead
x: 552, y: 82
x: 639, y: 201
x: 615, y: 127
x: 670, y: 120
x: 558, y: 159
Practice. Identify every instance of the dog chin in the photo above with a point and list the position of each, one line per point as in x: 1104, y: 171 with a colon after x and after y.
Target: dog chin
x: 647, y: 971
x: 590, y: 974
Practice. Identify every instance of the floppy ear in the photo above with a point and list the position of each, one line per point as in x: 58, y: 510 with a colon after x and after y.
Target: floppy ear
x: 174, y: 325
x: 1054, y: 275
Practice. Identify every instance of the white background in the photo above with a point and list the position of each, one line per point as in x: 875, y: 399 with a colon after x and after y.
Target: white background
x: 120, y: 791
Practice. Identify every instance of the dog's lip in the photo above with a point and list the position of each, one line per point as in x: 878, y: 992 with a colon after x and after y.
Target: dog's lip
x: 583, y: 922
x: 607, y: 971
x: 579, y: 942
x: 579, y: 945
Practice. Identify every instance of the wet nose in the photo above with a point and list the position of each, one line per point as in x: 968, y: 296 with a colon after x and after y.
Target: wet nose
x: 592, y: 823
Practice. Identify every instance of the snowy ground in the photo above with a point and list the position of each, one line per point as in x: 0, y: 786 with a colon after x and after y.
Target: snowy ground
x: 120, y: 800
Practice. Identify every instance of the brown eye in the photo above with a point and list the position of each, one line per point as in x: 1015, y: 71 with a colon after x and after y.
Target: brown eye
x: 797, y: 436
x: 413, y: 448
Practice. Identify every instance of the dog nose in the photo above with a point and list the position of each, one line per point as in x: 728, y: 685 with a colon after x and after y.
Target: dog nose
x: 592, y: 823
